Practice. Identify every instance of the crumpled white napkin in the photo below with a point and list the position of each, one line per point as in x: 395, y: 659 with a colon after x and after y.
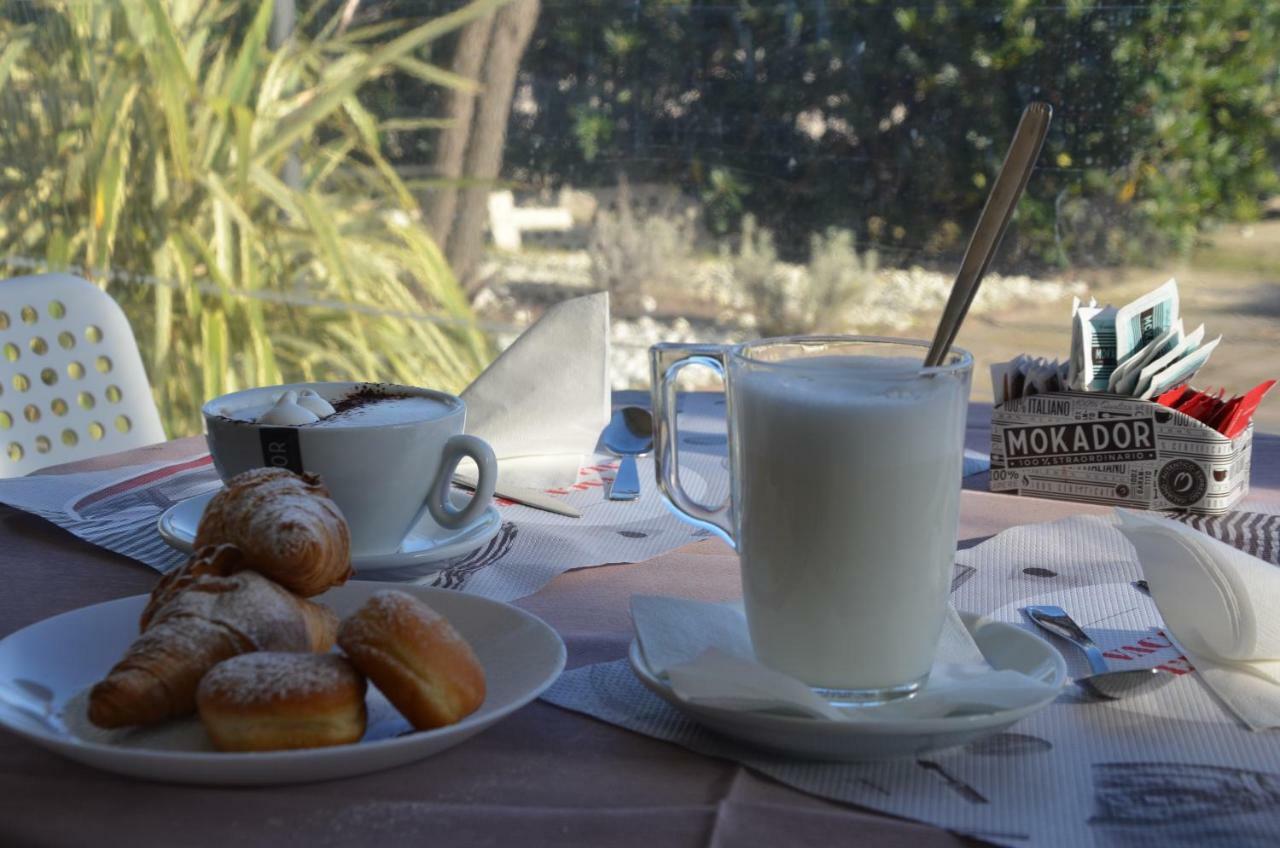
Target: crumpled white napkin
x: 704, y: 651
x: 544, y: 401
x: 1221, y: 606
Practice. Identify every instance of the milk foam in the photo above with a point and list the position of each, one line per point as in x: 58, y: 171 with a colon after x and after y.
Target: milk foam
x: 388, y: 410
x: 313, y: 403
x: 847, y: 483
x: 374, y: 410
x: 287, y: 411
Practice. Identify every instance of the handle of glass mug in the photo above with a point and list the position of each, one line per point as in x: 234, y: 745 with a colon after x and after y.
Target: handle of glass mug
x: 438, y: 502
x: 666, y: 361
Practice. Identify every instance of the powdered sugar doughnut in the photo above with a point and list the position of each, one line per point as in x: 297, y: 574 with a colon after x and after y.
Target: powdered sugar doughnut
x: 272, y: 701
x: 415, y: 657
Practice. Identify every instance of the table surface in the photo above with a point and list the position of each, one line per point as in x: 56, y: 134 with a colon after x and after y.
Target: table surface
x: 544, y: 776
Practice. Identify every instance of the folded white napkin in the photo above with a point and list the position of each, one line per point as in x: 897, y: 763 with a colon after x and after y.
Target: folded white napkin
x: 1221, y: 606
x: 544, y: 401
x: 704, y: 651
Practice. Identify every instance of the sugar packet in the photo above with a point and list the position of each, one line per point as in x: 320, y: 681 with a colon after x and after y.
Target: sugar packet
x: 1180, y: 371
x: 1139, y: 322
x: 1024, y: 376
x: 1242, y: 412
x: 1142, y: 384
x: 1124, y: 379
x: 1093, y: 347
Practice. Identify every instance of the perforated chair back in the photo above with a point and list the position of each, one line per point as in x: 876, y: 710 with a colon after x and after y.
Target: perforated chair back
x: 72, y: 385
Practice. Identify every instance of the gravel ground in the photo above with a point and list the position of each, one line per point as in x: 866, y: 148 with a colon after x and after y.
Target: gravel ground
x: 1231, y: 283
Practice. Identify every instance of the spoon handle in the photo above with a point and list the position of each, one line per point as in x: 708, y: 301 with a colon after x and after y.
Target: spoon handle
x: 626, y: 484
x: 1056, y: 621
x: 1028, y: 138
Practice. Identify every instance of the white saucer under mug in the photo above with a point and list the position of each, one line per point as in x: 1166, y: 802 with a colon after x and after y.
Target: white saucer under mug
x: 1005, y: 646
x: 178, y: 525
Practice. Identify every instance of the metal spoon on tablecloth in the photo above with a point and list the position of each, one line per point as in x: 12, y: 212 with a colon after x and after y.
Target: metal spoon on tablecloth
x: 629, y: 434
x: 1105, y: 683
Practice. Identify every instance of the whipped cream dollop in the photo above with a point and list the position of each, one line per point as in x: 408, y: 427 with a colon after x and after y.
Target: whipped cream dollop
x: 309, y: 400
x: 287, y: 411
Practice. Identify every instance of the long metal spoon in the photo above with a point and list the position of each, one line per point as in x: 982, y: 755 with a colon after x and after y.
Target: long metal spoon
x: 994, y: 220
x: 629, y: 434
x: 1105, y: 683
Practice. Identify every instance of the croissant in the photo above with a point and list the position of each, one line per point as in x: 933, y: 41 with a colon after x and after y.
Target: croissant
x: 212, y: 619
x: 218, y: 560
x: 285, y: 525
x: 223, y: 561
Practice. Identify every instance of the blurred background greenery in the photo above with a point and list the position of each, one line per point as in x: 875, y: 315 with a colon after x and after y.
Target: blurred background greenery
x: 311, y: 204
x: 886, y: 118
x: 232, y: 197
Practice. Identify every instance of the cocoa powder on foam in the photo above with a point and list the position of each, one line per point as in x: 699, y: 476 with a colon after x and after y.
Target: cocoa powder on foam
x: 364, y: 395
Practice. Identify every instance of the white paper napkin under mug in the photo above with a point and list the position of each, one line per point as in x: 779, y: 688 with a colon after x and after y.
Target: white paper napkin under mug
x: 544, y: 401
x: 704, y: 651
x: 1221, y: 606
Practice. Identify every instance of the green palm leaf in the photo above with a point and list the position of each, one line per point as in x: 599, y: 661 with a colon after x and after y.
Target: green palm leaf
x: 169, y: 150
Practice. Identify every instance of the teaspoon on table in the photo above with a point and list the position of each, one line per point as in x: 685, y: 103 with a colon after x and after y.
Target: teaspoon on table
x: 1105, y: 683
x: 628, y: 435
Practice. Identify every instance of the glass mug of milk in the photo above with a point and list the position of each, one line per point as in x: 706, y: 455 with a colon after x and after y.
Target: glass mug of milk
x: 845, y: 459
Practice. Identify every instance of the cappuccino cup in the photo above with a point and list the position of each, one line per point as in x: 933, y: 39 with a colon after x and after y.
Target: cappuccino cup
x: 387, y: 454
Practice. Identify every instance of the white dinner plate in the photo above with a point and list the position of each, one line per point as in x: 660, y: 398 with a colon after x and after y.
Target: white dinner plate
x: 178, y: 525
x: 46, y: 668
x: 1004, y: 645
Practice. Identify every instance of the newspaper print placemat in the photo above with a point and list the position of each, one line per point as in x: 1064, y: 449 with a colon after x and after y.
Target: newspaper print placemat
x: 118, y: 509
x: 1171, y: 767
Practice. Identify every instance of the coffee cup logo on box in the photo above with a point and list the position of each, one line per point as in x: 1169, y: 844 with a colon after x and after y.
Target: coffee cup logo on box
x: 1110, y: 449
x: 1182, y: 482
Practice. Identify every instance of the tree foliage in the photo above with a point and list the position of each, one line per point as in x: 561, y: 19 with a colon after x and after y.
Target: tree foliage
x: 889, y: 118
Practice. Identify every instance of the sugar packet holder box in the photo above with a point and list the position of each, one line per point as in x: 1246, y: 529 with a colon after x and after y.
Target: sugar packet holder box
x: 1111, y: 449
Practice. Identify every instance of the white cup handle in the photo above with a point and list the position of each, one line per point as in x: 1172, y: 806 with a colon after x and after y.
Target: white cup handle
x: 455, y: 450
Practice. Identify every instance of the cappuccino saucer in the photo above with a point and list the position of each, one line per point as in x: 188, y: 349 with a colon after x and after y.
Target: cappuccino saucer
x: 178, y: 525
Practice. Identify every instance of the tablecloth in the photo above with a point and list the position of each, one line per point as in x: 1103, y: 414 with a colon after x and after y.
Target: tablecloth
x: 544, y: 776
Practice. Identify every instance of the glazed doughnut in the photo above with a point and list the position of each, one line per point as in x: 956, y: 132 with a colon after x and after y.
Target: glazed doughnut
x: 415, y: 657
x: 273, y: 701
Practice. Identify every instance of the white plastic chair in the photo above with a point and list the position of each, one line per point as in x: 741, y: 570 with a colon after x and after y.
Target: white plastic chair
x: 72, y: 385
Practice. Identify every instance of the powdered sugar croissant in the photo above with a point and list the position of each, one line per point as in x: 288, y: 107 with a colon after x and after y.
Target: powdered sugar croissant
x: 212, y: 618
x: 285, y: 526
x: 217, y: 560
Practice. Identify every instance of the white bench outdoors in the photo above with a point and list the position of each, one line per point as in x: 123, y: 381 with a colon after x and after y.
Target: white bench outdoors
x: 507, y: 221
